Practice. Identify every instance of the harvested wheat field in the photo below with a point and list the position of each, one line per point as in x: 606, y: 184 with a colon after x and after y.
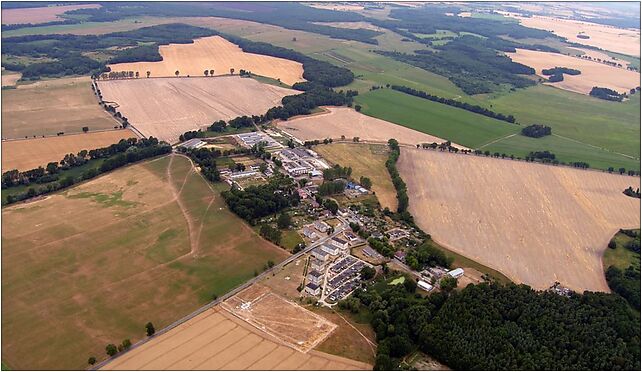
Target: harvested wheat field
x: 179, y: 105
x: 625, y: 41
x: 600, y: 55
x: 535, y: 223
x: 293, y: 325
x: 217, y: 340
x: 51, y: 106
x: 365, y: 160
x: 593, y: 73
x: 216, y: 53
x: 40, y: 15
x: 32, y: 153
x: 148, y: 242
x: 338, y: 121
x: 10, y: 78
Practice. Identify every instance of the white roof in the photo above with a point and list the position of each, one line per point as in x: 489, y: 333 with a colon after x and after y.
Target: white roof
x: 424, y: 285
x: 456, y: 272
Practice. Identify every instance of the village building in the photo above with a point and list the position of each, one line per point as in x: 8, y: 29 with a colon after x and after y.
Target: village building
x: 321, y: 226
x: 317, y: 264
x: 456, y: 273
x: 320, y: 254
x: 312, y: 289
x: 330, y: 249
x: 339, y: 243
x: 424, y: 285
x: 400, y: 255
x: 315, y: 277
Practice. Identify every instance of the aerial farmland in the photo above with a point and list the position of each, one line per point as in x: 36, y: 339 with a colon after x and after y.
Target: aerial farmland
x: 320, y: 186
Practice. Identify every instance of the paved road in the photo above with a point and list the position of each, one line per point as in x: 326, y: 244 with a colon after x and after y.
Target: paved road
x: 339, y: 229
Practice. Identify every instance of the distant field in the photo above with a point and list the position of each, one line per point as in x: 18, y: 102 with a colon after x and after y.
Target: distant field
x: 39, y: 15
x: 150, y: 242
x: 9, y: 78
x: 90, y: 28
x: 51, y: 106
x: 217, y: 340
x: 593, y: 73
x: 536, y: 224
x: 365, y: 160
x: 344, y: 121
x: 614, y: 126
x: 182, y: 104
x: 31, y: 153
x: 457, y: 125
x: 218, y: 54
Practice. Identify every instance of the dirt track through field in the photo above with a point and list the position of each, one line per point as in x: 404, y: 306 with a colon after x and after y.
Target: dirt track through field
x: 215, y: 53
x: 218, y: 340
x: 535, y: 223
x: 593, y: 73
x: 338, y: 121
x: 179, y: 105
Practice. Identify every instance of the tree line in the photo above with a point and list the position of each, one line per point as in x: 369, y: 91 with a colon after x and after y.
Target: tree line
x: 495, y: 327
x: 399, y: 184
x: 51, y: 177
x: 606, y: 94
x: 451, y: 102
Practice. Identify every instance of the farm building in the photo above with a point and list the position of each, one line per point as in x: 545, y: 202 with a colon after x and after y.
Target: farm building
x: 250, y: 139
x: 425, y: 286
x: 312, y: 289
x: 298, y: 168
x: 193, y: 143
x: 457, y: 273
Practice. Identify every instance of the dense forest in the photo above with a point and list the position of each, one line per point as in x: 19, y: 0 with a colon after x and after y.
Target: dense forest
x: 263, y: 200
x: 470, y: 64
x: 491, y: 327
x: 451, y: 102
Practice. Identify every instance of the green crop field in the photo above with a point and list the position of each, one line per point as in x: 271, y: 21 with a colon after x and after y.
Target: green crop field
x: 621, y: 257
x: 91, y: 265
x: 460, y: 126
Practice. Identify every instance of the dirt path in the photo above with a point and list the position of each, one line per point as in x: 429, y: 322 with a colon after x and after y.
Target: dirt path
x: 372, y: 344
x: 497, y: 140
x: 192, y: 234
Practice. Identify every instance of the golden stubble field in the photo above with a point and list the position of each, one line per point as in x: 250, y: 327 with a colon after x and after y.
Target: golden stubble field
x: 217, y: 340
x: 178, y: 105
x: 93, y: 264
x: 51, y: 106
x: 31, y: 153
x: 593, y: 73
x: 535, y: 223
x: 41, y: 14
x: 611, y: 38
x: 215, y: 53
x: 338, y: 121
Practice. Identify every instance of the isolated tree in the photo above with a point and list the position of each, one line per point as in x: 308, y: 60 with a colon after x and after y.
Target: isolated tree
x: 365, y: 182
x: 231, y: 71
x: 294, y: 39
x: 284, y: 221
x: 149, y: 73
x: 126, y: 344
x: 111, y: 350
x: 149, y: 327
x: 177, y: 73
x: 85, y: 129
x: 212, y: 72
x: 622, y: 170
x: 137, y: 74
x: 91, y: 360
x: 357, y: 107
x: 206, y: 72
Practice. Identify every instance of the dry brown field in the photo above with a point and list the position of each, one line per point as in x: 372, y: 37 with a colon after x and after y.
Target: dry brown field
x: 148, y: 242
x: 536, y: 224
x: 216, y: 53
x: 337, y: 6
x: 217, y: 340
x: 365, y: 160
x: 39, y: 15
x: 51, y: 106
x: 593, y: 73
x: 338, y: 121
x: 179, y: 105
x: 10, y: 78
x: 31, y: 153
x: 351, y: 25
x: 288, y: 322
x: 615, y: 39
x: 601, y: 55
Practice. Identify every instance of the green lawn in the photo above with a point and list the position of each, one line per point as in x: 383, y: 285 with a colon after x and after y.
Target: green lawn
x: 457, y: 125
x: 290, y: 239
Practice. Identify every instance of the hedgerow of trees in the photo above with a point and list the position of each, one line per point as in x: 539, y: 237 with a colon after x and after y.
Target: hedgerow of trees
x: 451, y: 102
x: 606, y: 94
